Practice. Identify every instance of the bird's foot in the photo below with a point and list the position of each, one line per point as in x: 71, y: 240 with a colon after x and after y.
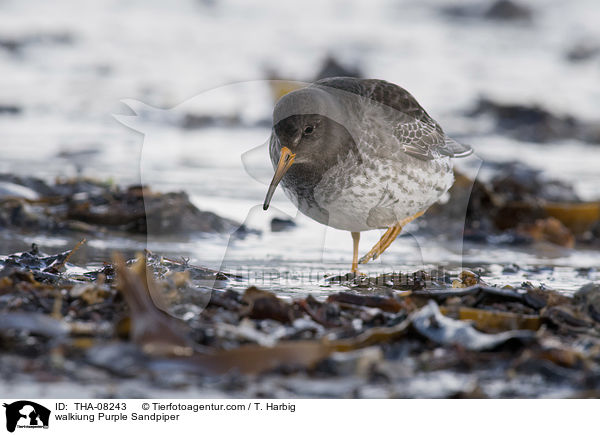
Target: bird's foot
x: 386, y: 240
x: 354, y: 271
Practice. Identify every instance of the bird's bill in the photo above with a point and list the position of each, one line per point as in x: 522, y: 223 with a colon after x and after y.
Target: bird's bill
x: 285, y: 161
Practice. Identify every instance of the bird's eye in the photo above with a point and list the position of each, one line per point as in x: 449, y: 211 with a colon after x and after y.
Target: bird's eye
x: 308, y: 129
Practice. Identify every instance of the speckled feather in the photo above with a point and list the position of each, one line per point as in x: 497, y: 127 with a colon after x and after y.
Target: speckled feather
x: 417, y: 133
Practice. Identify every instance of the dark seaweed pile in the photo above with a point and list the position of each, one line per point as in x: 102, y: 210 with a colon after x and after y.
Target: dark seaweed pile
x: 92, y: 207
x: 517, y: 206
x: 154, y: 320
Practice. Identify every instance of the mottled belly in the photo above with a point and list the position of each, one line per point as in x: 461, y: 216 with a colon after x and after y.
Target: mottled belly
x: 379, y: 196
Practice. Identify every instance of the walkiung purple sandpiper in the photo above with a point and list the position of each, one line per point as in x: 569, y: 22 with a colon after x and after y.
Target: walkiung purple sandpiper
x: 358, y: 155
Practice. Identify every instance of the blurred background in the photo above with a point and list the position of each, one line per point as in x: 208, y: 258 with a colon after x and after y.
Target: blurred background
x: 176, y: 95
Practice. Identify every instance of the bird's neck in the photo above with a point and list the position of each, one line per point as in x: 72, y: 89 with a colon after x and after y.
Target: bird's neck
x: 302, y: 178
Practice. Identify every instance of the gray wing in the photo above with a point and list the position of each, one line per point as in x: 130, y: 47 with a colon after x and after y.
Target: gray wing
x: 418, y: 134
x: 458, y: 149
x: 426, y: 141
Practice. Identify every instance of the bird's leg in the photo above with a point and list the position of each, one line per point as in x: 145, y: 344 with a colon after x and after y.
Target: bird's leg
x: 386, y: 240
x: 388, y: 237
x: 355, y: 240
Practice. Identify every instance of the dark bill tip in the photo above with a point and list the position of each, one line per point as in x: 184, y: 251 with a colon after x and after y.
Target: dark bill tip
x: 285, y: 161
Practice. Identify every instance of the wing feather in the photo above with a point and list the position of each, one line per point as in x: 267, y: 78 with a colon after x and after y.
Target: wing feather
x: 417, y: 133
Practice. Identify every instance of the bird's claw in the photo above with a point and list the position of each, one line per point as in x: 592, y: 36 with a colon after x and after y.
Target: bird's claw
x: 385, y: 241
x: 366, y: 258
x: 356, y: 273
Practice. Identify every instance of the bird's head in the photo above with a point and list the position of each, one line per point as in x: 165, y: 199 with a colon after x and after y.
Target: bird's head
x: 306, y: 135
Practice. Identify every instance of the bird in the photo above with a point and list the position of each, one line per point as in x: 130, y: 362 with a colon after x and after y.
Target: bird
x: 359, y: 155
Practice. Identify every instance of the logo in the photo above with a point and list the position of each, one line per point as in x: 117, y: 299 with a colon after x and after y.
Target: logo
x: 26, y: 414
x: 247, y: 160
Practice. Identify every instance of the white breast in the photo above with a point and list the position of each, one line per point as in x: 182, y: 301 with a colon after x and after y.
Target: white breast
x: 381, y: 192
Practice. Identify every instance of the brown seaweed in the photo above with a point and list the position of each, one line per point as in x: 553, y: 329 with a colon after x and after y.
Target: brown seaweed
x: 150, y: 323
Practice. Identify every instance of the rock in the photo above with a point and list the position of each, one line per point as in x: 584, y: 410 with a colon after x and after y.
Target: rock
x: 467, y: 209
x: 266, y: 305
x: 480, y: 202
x: 500, y: 10
x: 357, y: 362
x: 333, y: 68
x: 42, y: 188
x: 588, y: 297
x: 16, y: 44
x: 516, y: 181
x: 595, y: 231
x: 174, y: 213
x: 536, y: 124
x: 549, y: 230
x: 278, y: 224
x: 90, y: 206
x: 11, y: 190
x: 518, y: 206
x: 511, y: 269
x: 139, y: 210
x: 579, y: 217
x: 9, y: 109
x: 583, y: 51
x: 509, y: 11
x: 244, y: 231
x: 10, y: 44
x: 512, y: 215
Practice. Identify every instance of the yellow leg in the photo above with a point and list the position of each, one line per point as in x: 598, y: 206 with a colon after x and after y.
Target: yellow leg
x: 355, y: 240
x: 386, y: 240
x: 388, y: 237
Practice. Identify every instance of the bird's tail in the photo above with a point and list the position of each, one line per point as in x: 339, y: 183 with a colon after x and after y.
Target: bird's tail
x: 458, y: 149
